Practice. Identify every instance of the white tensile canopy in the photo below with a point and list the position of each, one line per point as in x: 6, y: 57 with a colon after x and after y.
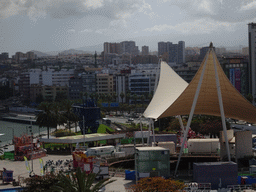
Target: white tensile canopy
x: 169, y: 88
x: 209, y: 93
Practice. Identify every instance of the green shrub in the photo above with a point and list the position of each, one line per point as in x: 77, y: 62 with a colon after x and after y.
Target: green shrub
x: 63, y: 133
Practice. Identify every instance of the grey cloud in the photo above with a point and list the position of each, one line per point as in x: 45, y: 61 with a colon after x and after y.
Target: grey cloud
x: 219, y: 10
x: 59, y: 9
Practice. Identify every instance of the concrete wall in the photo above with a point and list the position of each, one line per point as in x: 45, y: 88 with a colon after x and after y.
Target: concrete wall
x: 223, y: 151
x: 243, y: 144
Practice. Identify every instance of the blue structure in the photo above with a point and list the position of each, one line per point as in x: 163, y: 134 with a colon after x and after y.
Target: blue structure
x: 90, y: 113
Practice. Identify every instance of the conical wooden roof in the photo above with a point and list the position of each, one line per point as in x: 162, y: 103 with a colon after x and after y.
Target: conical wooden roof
x: 235, y: 105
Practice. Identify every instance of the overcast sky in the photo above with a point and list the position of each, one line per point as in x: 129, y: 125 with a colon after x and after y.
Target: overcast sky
x: 53, y: 25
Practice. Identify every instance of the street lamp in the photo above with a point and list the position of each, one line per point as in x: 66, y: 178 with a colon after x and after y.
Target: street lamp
x: 12, y: 134
x: 31, y: 132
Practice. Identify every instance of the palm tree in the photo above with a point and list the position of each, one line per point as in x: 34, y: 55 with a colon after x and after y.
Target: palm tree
x: 122, y: 96
x: 68, y: 113
x: 142, y: 98
x: 128, y: 96
x: 135, y: 97
x: 92, y: 95
x: 79, y: 182
x: 96, y: 97
x: 46, y: 118
x: 114, y: 96
x: 109, y: 99
x: 59, y: 117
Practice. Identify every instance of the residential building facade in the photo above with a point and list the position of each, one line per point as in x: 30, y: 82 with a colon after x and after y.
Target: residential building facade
x: 252, y: 58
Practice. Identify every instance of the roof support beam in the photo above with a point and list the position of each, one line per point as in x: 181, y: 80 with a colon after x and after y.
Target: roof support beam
x: 192, y: 112
x: 221, y: 108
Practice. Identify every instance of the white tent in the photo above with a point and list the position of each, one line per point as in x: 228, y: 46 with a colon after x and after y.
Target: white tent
x: 169, y: 88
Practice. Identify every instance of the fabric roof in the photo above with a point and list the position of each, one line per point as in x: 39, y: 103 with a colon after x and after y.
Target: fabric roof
x: 235, y: 105
x: 169, y: 88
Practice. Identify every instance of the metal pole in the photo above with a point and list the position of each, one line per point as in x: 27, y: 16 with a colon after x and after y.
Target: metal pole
x: 153, y: 128
x: 32, y: 151
x: 84, y: 131
x: 135, y: 159
x: 181, y: 124
x: 149, y: 128
x: 141, y: 133
x: 191, y: 112
x: 221, y: 109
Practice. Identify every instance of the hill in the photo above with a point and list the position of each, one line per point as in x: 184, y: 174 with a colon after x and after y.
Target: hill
x: 39, y: 54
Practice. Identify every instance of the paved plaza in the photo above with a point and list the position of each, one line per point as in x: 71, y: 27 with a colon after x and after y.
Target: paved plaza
x: 19, y: 170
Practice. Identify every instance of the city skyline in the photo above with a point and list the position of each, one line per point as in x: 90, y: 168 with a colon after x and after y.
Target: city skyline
x: 72, y: 24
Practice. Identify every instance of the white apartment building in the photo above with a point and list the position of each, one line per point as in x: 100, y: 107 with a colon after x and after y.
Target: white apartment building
x: 142, y: 82
x: 50, y: 76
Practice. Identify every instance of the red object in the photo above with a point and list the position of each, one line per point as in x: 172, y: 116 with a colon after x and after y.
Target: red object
x: 23, y: 146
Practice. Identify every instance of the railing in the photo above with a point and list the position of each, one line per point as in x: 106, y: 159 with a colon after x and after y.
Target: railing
x: 197, y: 187
x: 238, y: 187
x: 116, y: 172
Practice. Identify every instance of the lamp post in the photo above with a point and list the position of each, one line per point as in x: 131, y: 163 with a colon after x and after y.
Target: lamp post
x: 12, y: 134
x: 31, y: 132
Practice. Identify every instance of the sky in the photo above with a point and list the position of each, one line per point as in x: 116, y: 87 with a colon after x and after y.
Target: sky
x: 54, y: 25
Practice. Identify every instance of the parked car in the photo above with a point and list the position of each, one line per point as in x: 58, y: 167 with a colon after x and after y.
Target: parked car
x: 130, y: 120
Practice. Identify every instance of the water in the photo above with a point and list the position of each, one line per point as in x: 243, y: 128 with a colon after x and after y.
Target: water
x: 18, y: 128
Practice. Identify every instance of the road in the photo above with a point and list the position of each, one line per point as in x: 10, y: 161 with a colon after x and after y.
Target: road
x: 125, y: 119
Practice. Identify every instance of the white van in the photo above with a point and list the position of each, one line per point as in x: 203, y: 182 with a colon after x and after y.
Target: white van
x: 100, y: 151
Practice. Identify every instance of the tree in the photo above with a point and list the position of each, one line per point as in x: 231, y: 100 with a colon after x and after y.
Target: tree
x: 46, y: 117
x: 79, y: 182
x: 158, y: 184
x: 59, y: 117
x: 122, y: 96
x: 40, y: 183
x: 109, y: 99
x: 175, y: 125
x: 142, y: 98
x: 114, y: 96
x: 128, y: 96
x: 150, y: 96
x: 68, y: 113
x: 96, y: 97
x: 135, y: 97
x: 84, y: 95
x: 39, y: 98
x: 60, y: 96
x: 92, y: 95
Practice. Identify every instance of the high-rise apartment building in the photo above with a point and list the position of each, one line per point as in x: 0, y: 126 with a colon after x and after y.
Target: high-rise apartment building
x: 129, y: 47
x: 145, y: 50
x: 112, y: 48
x: 4, y: 56
x: 162, y: 48
x: 176, y: 52
x: 181, y: 52
x: 252, y: 58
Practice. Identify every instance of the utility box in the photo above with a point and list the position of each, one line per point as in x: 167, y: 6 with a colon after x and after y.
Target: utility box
x: 168, y: 145
x: 243, y: 145
x: 203, y: 145
x: 219, y: 174
x: 152, y: 159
